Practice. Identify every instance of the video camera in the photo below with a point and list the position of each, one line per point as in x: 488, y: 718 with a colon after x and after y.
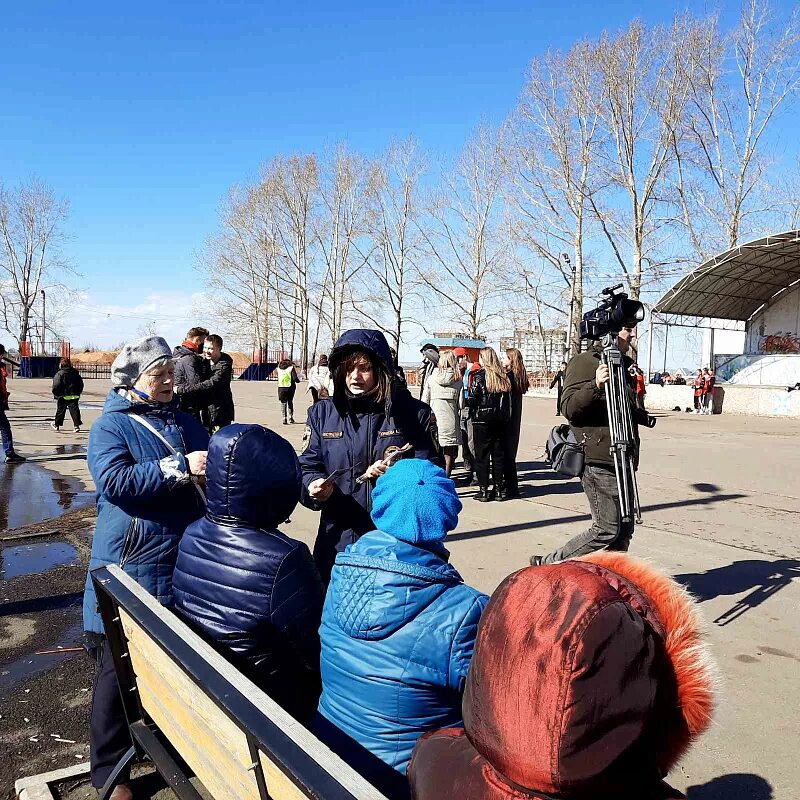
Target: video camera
x: 613, y: 314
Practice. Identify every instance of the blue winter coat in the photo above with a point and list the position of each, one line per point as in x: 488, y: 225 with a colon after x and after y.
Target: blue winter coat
x: 398, y: 631
x: 353, y: 436
x: 145, y: 498
x: 251, y: 591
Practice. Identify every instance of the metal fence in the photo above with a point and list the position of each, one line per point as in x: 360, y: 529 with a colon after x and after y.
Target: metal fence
x: 103, y: 371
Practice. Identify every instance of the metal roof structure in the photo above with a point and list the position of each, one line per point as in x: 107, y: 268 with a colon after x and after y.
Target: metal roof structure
x: 736, y: 284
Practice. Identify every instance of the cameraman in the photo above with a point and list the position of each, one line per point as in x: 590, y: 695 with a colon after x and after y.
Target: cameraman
x: 583, y: 403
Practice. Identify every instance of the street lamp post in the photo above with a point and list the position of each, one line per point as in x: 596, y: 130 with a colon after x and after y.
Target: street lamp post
x: 44, y: 320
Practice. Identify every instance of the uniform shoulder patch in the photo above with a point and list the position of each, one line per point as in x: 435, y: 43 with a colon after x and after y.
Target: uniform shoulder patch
x: 306, y: 439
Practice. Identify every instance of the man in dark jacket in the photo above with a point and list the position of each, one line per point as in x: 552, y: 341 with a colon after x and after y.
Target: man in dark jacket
x: 350, y: 436
x: 215, y: 392
x: 558, y: 381
x: 190, y: 369
x: 583, y: 403
x: 67, y: 389
x: 246, y: 587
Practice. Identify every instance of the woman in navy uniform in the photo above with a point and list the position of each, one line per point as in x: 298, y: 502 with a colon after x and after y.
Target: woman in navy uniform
x: 350, y: 436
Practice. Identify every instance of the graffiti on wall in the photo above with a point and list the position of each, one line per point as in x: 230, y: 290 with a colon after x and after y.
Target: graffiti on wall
x: 780, y: 343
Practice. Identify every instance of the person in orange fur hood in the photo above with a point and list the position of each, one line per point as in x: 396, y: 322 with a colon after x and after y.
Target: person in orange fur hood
x: 590, y: 680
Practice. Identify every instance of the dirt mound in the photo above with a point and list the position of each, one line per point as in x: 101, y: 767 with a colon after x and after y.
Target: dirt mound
x: 94, y: 357
x: 240, y: 360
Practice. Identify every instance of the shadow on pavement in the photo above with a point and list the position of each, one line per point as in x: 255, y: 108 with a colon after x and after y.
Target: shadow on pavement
x: 546, y: 523
x: 737, y: 786
x: 35, y: 604
x: 765, y: 578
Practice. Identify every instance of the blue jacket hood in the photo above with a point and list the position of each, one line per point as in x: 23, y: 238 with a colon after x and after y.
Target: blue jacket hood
x: 362, y: 339
x: 380, y: 584
x: 252, y: 476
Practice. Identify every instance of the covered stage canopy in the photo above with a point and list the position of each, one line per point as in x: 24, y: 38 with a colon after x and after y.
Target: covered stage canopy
x: 735, y: 284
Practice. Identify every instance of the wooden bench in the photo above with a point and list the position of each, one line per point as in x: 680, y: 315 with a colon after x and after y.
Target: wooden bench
x: 186, y: 704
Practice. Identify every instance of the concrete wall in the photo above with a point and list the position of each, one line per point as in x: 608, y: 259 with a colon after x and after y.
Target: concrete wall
x: 777, y: 328
x: 753, y: 401
x: 760, y: 370
x: 757, y: 401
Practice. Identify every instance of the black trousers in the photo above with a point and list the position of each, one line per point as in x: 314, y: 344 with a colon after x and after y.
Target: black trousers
x: 61, y: 411
x: 109, y: 739
x: 489, y: 450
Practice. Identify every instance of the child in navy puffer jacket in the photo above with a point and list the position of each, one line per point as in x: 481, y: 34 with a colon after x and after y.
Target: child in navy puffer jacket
x: 398, y: 628
x: 250, y: 590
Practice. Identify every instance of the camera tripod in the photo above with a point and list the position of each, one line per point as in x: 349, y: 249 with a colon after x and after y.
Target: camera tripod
x: 620, y: 423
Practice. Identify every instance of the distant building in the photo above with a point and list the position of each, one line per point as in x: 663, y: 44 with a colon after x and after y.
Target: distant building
x: 542, y: 350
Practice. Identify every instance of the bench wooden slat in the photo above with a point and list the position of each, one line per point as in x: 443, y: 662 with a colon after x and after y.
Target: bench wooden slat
x: 207, y: 739
x: 210, y: 741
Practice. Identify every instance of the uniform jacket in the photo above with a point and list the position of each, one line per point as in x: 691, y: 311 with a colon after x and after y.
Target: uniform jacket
x: 67, y: 382
x: 589, y: 680
x: 584, y: 405
x: 190, y: 369
x: 145, y: 498
x: 247, y: 588
x: 353, y: 435
x: 398, y: 629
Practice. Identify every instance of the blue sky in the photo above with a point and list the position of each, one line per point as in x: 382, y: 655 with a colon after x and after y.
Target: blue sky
x: 144, y: 114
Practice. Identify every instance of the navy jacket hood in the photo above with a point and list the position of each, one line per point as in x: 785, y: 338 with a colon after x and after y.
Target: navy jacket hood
x: 362, y: 339
x: 252, y: 476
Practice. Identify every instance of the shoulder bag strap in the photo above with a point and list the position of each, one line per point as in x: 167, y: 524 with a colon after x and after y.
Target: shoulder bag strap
x: 142, y: 421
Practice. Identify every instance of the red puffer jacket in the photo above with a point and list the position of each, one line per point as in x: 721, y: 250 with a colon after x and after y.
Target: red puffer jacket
x: 589, y: 680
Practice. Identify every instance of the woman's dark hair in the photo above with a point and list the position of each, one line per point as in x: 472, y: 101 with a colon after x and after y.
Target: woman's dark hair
x: 285, y: 364
x: 517, y: 369
x: 64, y: 363
x: 382, y: 377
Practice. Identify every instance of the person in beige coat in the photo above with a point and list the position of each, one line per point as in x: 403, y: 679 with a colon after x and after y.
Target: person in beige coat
x: 443, y: 392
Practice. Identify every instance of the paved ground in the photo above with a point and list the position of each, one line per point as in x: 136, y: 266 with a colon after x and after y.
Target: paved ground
x: 721, y: 498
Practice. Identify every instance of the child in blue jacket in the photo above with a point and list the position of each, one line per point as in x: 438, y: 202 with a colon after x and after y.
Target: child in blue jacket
x: 398, y: 628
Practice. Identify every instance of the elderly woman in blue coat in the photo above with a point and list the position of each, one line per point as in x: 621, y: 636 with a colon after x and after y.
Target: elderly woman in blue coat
x: 398, y: 629
x: 143, y: 455
x: 351, y: 439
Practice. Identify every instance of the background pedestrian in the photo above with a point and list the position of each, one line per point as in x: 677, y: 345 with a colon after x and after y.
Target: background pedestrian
x: 67, y: 390
x: 490, y: 409
x: 287, y: 385
x: 518, y: 375
x: 443, y: 393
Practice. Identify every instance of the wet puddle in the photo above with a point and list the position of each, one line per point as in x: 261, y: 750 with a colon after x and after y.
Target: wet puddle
x: 29, y: 493
x: 32, y: 558
x: 37, y: 662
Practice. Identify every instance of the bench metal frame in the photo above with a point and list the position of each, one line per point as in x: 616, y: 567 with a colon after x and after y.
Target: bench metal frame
x: 261, y: 732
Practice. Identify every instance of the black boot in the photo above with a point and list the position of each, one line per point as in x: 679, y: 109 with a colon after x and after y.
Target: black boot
x: 484, y: 495
x: 13, y: 458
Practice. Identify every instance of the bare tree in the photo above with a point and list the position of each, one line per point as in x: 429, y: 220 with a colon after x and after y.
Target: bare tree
x: 31, y: 232
x: 643, y: 101
x: 738, y: 84
x: 554, y: 159
x: 294, y: 185
x: 345, y: 187
x: 464, y: 235
x: 393, y: 225
x: 240, y: 262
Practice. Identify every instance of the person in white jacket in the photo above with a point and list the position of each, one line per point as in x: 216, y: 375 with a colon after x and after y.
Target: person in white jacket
x: 443, y: 392
x: 320, y: 383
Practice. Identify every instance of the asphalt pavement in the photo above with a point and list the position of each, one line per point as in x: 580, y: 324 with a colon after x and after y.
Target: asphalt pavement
x: 721, y: 505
